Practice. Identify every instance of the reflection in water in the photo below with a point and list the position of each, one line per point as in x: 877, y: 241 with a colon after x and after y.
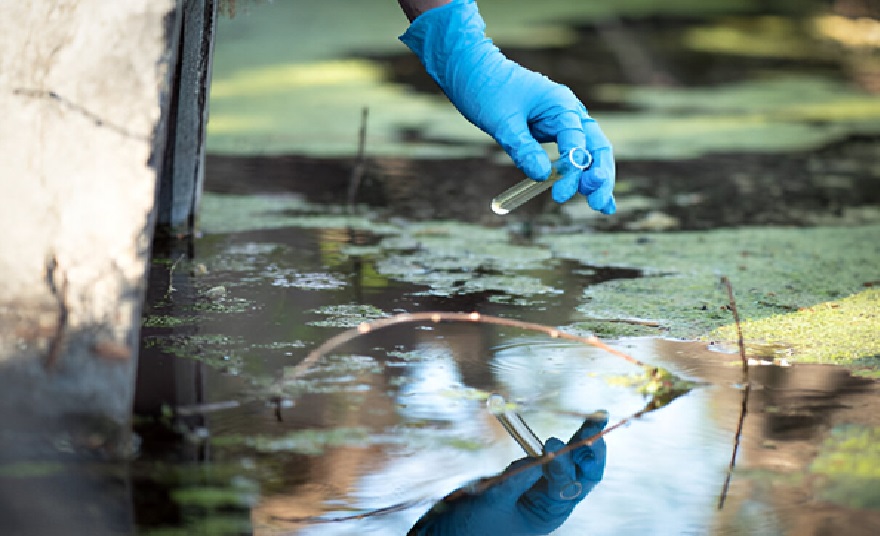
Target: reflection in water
x: 397, y: 418
x: 383, y: 427
x: 528, y: 498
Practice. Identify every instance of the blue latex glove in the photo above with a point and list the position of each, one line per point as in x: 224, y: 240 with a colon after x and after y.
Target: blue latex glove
x: 536, y: 500
x: 517, y: 107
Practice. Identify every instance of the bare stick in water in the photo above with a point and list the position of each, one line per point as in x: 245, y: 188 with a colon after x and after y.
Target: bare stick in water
x: 407, y: 318
x: 745, y: 398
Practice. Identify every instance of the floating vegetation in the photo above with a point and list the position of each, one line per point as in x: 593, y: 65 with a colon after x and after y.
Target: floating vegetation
x: 217, y: 299
x: 226, y: 213
x: 306, y: 281
x: 772, y: 269
x: 167, y: 321
x: 784, y: 113
x: 840, y: 331
x: 658, y: 384
x: 337, y: 368
x: 310, y: 442
x: 849, y: 463
x: 347, y: 316
x: 456, y: 258
x: 280, y: 345
x: 216, y: 497
x: 218, y: 351
x: 403, y: 358
x: 30, y: 469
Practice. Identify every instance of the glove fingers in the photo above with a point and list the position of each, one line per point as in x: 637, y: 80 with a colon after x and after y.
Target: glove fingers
x: 564, y: 126
x: 564, y: 122
x: 597, y: 183
x: 559, y: 470
x: 590, y: 459
x: 518, y: 477
x: 566, y: 186
x: 562, y: 474
x: 525, y: 151
x: 592, y: 425
x: 570, y: 138
x: 556, y: 110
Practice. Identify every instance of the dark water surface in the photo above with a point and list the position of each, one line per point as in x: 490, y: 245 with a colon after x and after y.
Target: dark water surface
x: 386, y: 425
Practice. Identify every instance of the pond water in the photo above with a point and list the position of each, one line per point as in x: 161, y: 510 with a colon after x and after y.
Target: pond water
x: 398, y: 417
x: 698, y: 100
x: 382, y: 427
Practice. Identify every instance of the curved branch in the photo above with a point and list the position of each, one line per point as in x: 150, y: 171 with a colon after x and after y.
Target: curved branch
x: 436, y: 317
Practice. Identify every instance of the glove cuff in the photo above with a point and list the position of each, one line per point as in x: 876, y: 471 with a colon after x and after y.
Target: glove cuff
x: 439, y: 36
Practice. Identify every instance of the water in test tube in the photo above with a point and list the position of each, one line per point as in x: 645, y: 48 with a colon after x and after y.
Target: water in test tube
x: 527, y: 189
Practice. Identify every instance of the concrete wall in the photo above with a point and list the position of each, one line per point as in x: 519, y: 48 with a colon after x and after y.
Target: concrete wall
x: 80, y: 86
x: 87, y: 99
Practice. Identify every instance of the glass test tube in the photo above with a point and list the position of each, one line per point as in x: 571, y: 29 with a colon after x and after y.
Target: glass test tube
x: 521, y: 192
x: 515, y: 426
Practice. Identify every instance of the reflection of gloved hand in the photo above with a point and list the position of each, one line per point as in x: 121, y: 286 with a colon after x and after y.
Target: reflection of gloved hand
x: 516, y: 106
x: 530, y: 501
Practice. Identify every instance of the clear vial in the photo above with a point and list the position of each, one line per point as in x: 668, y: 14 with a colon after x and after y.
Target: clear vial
x: 525, y: 190
x: 515, y: 426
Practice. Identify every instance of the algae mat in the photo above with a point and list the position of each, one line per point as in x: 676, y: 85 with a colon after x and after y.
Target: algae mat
x: 811, y: 289
x: 807, y: 292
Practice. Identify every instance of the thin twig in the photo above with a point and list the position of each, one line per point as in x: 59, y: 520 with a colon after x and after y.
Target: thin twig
x: 357, y: 172
x: 745, y: 398
x: 171, y: 288
x: 739, y: 333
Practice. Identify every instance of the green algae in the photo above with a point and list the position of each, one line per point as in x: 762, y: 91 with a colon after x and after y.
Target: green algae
x: 800, y: 98
x: 849, y: 464
x: 217, y: 299
x: 309, y: 442
x: 221, y: 213
x: 167, y: 321
x: 227, y: 213
x: 217, y: 351
x: 347, y: 316
x: 343, y: 368
x: 269, y: 96
x: 772, y: 271
x: 306, y: 280
x: 30, y: 469
x: 840, y: 331
x: 213, y: 497
x: 457, y: 258
x: 764, y: 36
x: 771, y: 114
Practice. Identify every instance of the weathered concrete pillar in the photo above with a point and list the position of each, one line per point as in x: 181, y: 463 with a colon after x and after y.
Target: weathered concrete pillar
x: 85, y: 89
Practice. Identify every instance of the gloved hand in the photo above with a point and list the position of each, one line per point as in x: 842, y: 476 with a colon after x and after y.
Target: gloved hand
x: 517, y: 107
x: 530, y: 501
